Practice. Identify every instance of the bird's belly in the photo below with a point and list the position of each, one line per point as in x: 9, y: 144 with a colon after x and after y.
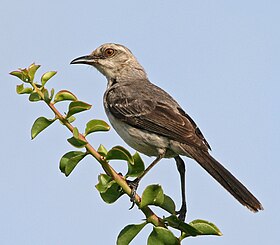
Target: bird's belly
x: 143, y: 141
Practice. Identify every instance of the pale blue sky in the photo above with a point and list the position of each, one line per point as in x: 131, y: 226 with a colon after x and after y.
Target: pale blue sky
x: 219, y: 59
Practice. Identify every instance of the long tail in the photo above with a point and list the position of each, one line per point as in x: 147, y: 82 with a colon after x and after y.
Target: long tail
x: 225, y: 178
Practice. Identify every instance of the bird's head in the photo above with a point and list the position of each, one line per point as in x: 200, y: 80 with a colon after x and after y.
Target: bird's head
x: 114, y: 61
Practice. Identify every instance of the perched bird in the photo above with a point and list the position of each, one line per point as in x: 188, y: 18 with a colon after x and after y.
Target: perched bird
x: 149, y: 120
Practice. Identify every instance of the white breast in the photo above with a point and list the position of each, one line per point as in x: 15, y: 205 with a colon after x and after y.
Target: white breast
x: 145, y: 142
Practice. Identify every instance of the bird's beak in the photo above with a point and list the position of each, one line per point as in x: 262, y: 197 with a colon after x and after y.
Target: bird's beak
x: 87, y: 59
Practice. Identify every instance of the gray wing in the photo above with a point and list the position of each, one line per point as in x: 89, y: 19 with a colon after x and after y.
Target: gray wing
x: 163, y: 116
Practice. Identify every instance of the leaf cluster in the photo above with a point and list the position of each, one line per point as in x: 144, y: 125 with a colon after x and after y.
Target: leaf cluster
x: 111, y: 185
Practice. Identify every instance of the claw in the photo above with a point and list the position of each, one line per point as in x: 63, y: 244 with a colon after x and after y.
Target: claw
x: 133, y: 204
x: 133, y: 185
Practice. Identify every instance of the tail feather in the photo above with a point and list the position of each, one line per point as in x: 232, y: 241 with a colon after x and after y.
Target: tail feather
x: 225, y: 178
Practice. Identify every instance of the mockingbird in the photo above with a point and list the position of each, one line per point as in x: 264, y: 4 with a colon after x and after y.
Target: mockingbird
x: 149, y: 120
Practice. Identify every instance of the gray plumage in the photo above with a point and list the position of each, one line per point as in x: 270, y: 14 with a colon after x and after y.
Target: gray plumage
x: 152, y: 122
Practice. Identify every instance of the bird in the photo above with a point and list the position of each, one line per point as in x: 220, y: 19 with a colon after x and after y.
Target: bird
x: 149, y: 120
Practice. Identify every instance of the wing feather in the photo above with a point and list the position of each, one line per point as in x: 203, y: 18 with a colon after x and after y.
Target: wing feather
x: 164, y: 117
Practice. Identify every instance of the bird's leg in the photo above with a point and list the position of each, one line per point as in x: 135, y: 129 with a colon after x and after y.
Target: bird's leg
x: 181, y: 168
x: 134, y: 184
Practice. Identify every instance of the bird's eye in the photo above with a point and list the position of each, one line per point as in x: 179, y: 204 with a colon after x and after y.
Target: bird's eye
x: 109, y: 52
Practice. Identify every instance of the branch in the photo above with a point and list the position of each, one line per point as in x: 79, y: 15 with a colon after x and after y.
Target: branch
x: 111, y: 185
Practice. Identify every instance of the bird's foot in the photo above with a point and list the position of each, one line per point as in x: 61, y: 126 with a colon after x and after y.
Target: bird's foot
x: 133, y: 185
x: 182, y: 212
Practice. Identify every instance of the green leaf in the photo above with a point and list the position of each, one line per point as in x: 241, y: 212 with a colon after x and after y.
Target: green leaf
x: 103, y: 182
x: 152, y: 195
x: 17, y: 74
x: 109, y: 190
x: 206, y: 227
x: 32, y: 70
x: 119, y: 153
x: 162, y: 236
x: 76, y: 107
x: 102, y: 150
x: 26, y: 77
x: 128, y: 233
x: 78, y: 143
x: 168, y: 205
x: 22, y: 90
x: 112, y: 194
x: 96, y: 125
x: 76, y: 133
x: 52, y: 94
x: 34, y: 97
x: 39, y: 125
x: 22, y: 74
x: 71, y: 119
x: 47, y: 76
x: 64, y: 95
x: 136, y: 169
x: 46, y: 95
x: 70, y: 160
x: 178, y: 224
